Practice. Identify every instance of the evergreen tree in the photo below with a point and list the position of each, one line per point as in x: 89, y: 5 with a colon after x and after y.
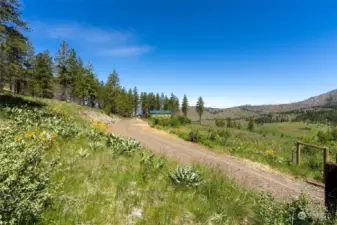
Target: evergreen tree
x: 251, y: 125
x: 166, y: 105
x: 81, y: 89
x: 73, y: 70
x: 13, y: 44
x: 135, y: 100
x: 64, y: 76
x: 162, y: 101
x: 28, y: 73
x: 200, y: 107
x: 144, y: 103
x: 122, y: 102
x: 43, y: 76
x: 151, y: 99
x: 157, y: 102
x: 130, y: 102
x: 112, y: 89
x: 174, y: 105
x: 93, y: 85
x: 184, y: 107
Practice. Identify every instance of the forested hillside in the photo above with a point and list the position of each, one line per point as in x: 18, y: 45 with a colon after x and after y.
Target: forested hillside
x: 64, y: 76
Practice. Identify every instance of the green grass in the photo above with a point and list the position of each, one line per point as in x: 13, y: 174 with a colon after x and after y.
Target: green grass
x: 100, y: 189
x: 270, y: 144
x: 93, y: 183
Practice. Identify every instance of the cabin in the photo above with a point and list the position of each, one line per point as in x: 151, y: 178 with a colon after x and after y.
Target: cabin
x: 160, y: 113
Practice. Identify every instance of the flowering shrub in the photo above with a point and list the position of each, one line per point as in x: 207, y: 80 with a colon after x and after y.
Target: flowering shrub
x: 25, y: 190
x: 24, y: 175
x: 99, y: 125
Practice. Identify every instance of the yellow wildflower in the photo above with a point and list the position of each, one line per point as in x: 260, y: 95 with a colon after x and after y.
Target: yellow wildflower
x: 99, y: 125
x: 29, y: 134
x: 269, y: 152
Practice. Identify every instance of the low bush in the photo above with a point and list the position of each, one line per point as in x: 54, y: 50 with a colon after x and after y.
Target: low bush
x: 194, y: 136
x: 212, y: 135
x: 184, y: 120
x: 170, y: 122
x: 186, y: 176
x: 224, y: 133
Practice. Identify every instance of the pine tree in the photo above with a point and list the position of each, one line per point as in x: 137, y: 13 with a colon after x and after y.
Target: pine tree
x: 112, y: 89
x: 93, y: 85
x: 166, y: 103
x: 184, y: 107
x: 28, y: 72
x: 122, y: 102
x: 157, y: 102
x: 162, y: 101
x: 130, y: 102
x: 73, y: 70
x: 135, y: 100
x: 144, y: 103
x: 151, y: 99
x: 63, y: 71
x: 200, y: 107
x: 174, y: 105
x: 251, y: 125
x: 81, y: 89
x: 43, y: 76
x: 13, y: 44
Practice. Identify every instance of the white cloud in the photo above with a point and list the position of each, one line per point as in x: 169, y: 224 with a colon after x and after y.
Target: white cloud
x: 126, y: 51
x: 98, y: 40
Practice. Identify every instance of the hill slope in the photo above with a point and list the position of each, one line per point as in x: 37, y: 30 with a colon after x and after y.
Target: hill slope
x: 257, y: 110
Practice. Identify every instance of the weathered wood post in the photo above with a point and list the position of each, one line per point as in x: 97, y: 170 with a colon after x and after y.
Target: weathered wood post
x: 325, y: 160
x: 298, y: 153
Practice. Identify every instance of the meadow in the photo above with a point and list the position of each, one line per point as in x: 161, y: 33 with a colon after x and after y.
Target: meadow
x: 58, y: 168
x: 272, y: 144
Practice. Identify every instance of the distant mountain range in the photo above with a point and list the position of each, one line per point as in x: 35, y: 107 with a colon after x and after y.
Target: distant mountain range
x: 329, y: 98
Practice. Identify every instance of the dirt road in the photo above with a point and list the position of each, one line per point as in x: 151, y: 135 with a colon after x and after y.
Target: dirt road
x: 249, y: 174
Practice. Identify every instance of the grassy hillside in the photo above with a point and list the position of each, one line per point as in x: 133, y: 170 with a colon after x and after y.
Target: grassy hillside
x: 329, y: 98
x: 56, y: 168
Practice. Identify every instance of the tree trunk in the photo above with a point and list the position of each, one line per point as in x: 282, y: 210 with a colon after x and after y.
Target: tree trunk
x: 1, y: 86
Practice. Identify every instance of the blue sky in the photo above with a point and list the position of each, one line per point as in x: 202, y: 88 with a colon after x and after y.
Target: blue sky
x: 230, y: 52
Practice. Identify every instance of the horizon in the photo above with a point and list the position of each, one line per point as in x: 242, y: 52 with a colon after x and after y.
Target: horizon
x: 230, y: 53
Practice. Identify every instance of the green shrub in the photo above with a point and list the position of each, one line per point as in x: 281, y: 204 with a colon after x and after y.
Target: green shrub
x: 212, y: 135
x: 170, y: 122
x: 315, y: 164
x: 194, y: 136
x: 224, y: 133
x: 220, y: 123
x: 299, y: 211
x: 174, y: 122
x: 184, y: 120
x: 186, y: 176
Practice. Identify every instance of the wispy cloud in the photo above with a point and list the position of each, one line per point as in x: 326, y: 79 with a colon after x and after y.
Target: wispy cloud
x: 128, y: 50
x: 104, y: 41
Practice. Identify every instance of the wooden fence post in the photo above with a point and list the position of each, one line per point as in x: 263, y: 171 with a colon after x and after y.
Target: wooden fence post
x: 325, y: 159
x: 298, y: 153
